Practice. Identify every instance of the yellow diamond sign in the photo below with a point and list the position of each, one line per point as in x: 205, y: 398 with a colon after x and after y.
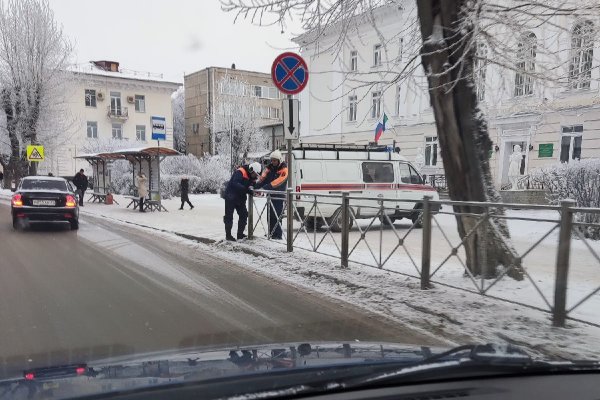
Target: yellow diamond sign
x: 35, y: 153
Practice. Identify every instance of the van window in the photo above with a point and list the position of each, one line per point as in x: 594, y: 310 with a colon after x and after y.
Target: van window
x: 409, y: 175
x: 377, y: 172
x: 341, y: 171
x: 311, y: 171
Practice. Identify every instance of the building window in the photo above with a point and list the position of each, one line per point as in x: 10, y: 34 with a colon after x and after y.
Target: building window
x: 480, y: 70
x: 140, y: 103
x: 140, y: 133
x: 398, y: 100
x: 582, y: 52
x: 352, y: 107
x: 115, y: 103
x: 266, y: 92
x: 92, y: 130
x: 375, y: 104
x: 117, y: 131
x: 270, y: 113
x: 354, y: 60
x: 376, y: 55
x: 570, y: 143
x: 526, y: 53
x: 90, y: 98
x: 431, y: 150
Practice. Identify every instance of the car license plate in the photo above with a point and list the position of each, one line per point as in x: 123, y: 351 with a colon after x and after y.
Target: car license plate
x: 50, y: 385
x: 43, y: 202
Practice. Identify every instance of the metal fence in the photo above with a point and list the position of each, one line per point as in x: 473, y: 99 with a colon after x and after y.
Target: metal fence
x: 361, y: 230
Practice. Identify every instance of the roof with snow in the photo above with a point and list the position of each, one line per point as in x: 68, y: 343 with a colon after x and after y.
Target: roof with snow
x: 92, y: 69
x: 134, y: 151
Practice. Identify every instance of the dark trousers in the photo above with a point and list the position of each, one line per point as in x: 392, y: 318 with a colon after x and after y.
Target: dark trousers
x: 274, y: 213
x: 184, y: 199
x: 81, y: 194
x: 242, y: 212
x: 141, y: 204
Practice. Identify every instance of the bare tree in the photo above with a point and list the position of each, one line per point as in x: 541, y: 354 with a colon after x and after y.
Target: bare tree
x: 178, y: 105
x: 33, y: 57
x: 235, y: 121
x: 451, y: 44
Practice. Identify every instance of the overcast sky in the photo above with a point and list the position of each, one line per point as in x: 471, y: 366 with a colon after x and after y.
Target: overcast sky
x: 172, y: 37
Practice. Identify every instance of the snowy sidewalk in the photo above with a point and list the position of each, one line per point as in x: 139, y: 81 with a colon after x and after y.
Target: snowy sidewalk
x: 455, y: 315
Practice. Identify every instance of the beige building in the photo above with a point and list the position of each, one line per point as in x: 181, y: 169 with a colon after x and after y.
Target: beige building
x: 201, y: 93
x: 106, y: 102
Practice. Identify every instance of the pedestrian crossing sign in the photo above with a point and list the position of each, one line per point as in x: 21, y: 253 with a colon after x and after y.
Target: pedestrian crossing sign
x: 35, y: 153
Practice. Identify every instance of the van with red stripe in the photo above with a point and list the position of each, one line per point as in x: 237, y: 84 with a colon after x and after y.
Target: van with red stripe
x: 366, y: 173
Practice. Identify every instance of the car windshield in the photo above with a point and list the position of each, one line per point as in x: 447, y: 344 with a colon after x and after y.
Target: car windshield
x: 44, y: 184
x: 202, y: 189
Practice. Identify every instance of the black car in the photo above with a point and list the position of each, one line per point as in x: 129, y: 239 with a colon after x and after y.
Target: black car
x: 42, y: 198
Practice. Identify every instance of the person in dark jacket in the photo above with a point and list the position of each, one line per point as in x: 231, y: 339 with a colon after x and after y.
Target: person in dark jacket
x: 185, y: 189
x: 238, y: 187
x: 274, y: 177
x: 81, y: 183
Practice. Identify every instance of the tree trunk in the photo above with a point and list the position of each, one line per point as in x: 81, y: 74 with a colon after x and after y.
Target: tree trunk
x: 16, y: 167
x: 464, y: 140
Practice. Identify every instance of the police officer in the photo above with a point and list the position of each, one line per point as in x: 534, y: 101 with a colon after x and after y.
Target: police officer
x: 275, y: 178
x: 239, y: 185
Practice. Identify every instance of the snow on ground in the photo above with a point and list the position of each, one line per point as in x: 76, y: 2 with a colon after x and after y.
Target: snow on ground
x: 456, y: 315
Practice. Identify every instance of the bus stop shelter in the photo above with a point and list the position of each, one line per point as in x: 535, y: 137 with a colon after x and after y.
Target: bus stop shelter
x: 146, y: 159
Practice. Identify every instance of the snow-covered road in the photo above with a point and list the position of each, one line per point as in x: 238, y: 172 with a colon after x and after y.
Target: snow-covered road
x: 453, y: 314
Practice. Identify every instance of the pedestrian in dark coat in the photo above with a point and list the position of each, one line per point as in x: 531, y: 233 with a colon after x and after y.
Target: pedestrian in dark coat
x: 238, y: 187
x: 81, y: 183
x: 185, y: 189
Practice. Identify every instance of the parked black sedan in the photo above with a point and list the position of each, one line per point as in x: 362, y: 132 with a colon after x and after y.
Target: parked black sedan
x: 42, y: 198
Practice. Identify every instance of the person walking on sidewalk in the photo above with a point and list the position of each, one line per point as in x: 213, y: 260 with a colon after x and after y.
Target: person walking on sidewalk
x: 142, y: 188
x: 81, y: 183
x: 238, y: 187
x: 185, y: 189
x: 275, y: 178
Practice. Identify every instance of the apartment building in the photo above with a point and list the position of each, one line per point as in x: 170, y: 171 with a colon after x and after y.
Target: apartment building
x: 202, y: 91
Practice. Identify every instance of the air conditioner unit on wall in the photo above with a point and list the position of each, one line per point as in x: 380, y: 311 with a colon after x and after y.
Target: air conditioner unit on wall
x: 100, y: 96
x: 130, y: 99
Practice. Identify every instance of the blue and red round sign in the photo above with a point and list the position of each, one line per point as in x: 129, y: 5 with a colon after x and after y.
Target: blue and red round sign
x: 289, y: 73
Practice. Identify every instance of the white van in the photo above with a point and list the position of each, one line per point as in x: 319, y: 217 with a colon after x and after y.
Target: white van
x: 362, y: 171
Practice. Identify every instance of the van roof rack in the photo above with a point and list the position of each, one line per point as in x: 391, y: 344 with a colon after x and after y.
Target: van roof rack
x: 342, y: 147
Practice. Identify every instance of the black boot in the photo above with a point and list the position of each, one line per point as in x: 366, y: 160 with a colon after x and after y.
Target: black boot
x: 240, y: 232
x: 228, y: 233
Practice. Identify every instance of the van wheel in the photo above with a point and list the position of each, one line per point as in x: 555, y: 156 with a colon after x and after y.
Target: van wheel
x: 310, y: 223
x: 335, y: 223
x: 417, y: 220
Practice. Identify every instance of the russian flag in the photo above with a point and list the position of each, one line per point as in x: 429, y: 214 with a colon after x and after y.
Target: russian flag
x: 380, y: 128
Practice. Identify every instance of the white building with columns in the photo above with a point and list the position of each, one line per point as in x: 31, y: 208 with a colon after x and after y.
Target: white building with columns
x: 350, y: 89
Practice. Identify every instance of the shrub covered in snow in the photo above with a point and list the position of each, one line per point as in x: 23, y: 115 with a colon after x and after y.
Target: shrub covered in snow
x: 121, y: 177
x: 577, y: 180
x: 205, y: 174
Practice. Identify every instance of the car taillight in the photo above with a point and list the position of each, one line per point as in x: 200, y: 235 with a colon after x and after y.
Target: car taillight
x: 29, y: 376
x: 80, y: 370
x: 70, y: 201
x: 17, y: 200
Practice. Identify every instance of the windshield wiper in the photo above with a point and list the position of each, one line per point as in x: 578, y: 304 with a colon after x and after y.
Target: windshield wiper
x: 470, y: 361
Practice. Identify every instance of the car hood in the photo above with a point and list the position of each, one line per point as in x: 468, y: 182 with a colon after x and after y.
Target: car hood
x: 195, y: 365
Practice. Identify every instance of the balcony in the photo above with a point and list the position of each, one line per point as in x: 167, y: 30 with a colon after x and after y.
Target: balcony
x: 117, y: 113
